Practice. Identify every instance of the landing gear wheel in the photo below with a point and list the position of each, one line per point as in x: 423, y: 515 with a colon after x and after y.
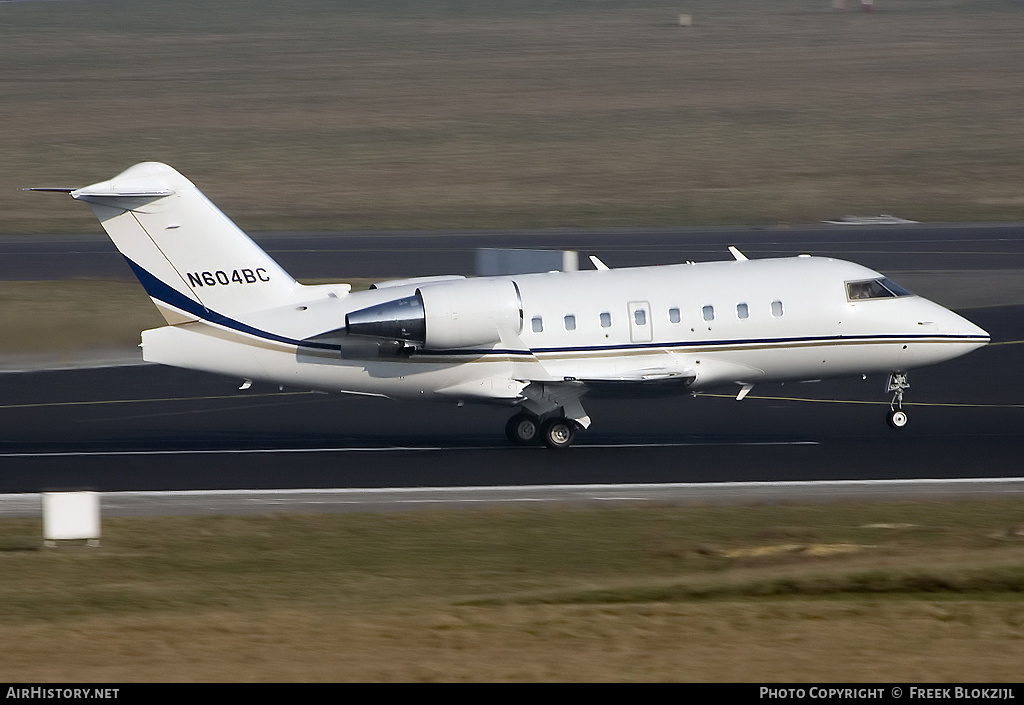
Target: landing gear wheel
x: 558, y: 433
x: 522, y: 429
x: 897, y: 418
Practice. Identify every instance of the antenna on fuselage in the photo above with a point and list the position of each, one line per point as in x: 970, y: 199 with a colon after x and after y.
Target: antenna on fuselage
x: 740, y: 257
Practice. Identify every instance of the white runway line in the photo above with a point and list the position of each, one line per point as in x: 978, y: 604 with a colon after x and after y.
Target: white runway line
x: 374, y: 449
x: 234, y: 502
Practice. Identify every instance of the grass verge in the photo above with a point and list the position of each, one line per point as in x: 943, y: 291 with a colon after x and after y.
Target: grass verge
x: 72, y: 315
x: 879, y: 591
x: 520, y: 114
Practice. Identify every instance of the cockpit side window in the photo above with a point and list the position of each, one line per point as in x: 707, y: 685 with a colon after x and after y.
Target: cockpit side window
x: 874, y: 289
x: 895, y: 288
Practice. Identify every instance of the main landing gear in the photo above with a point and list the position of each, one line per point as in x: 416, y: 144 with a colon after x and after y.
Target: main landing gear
x: 550, y: 413
x: 526, y: 429
x: 897, y: 417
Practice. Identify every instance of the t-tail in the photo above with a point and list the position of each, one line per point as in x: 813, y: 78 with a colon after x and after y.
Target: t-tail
x: 192, y: 260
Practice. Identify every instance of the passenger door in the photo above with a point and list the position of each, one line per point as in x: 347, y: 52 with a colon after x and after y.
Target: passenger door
x: 640, y: 322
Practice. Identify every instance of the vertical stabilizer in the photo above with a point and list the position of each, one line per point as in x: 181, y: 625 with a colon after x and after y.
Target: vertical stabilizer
x: 189, y: 256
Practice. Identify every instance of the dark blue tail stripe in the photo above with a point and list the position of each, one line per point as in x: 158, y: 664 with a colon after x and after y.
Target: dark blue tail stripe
x: 170, y: 296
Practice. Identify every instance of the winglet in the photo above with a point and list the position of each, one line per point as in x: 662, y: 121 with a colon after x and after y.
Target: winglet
x: 740, y: 257
x: 598, y: 264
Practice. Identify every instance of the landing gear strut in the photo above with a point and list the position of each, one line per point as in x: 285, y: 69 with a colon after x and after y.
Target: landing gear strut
x: 897, y: 417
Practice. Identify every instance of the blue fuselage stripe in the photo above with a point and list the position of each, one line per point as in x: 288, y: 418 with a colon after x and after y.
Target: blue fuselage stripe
x: 692, y: 344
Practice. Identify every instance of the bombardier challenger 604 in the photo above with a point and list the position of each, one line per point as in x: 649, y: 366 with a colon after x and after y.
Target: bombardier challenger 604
x: 538, y: 343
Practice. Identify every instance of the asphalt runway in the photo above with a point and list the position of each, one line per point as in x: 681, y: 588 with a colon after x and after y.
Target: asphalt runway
x: 142, y: 428
x: 147, y: 427
x: 340, y: 255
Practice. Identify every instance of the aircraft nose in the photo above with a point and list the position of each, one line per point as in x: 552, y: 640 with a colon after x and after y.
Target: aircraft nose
x: 953, y: 325
x: 943, y: 335
x: 966, y: 328
x: 978, y: 331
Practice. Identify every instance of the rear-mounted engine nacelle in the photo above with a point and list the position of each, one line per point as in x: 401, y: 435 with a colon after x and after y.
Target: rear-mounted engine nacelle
x: 401, y: 319
x: 444, y: 316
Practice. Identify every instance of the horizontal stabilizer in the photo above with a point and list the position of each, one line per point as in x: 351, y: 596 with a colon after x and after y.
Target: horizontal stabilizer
x: 105, y: 190
x: 120, y: 193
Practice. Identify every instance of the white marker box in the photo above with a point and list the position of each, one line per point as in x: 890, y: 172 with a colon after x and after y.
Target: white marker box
x: 71, y: 515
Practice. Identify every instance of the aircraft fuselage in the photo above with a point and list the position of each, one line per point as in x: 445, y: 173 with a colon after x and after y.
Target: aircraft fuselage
x: 698, y: 325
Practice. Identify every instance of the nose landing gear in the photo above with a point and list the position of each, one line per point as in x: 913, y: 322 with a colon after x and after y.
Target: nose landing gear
x: 897, y: 417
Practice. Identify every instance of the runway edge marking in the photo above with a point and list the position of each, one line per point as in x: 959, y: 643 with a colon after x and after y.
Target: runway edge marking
x: 780, y: 484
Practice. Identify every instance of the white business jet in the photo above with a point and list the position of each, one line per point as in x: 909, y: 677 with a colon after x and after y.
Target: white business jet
x: 538, y: 343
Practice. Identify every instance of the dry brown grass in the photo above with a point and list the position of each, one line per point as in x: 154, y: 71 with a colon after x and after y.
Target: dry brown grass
x: 70, y: 315
x: 495, y: 114
x: 792, y: 641
x: 615, y: 594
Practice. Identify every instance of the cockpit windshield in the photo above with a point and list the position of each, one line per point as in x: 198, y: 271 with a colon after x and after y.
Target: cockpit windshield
x: 874, y: 289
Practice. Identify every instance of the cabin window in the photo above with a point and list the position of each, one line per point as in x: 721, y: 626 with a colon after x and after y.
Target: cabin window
x: 673, y: 315
x: 709, y: 313
x: 742, y: 311
x: 777, y: 308
x: 537, y: 324
x: 570, y: 322
x: 640, y: 317
x: 606, y: 320
x: 874, y: 289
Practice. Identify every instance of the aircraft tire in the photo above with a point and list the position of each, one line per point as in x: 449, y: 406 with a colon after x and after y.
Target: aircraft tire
x: 897, y: 418
x: 558, y: 433
x: 523, y: 429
